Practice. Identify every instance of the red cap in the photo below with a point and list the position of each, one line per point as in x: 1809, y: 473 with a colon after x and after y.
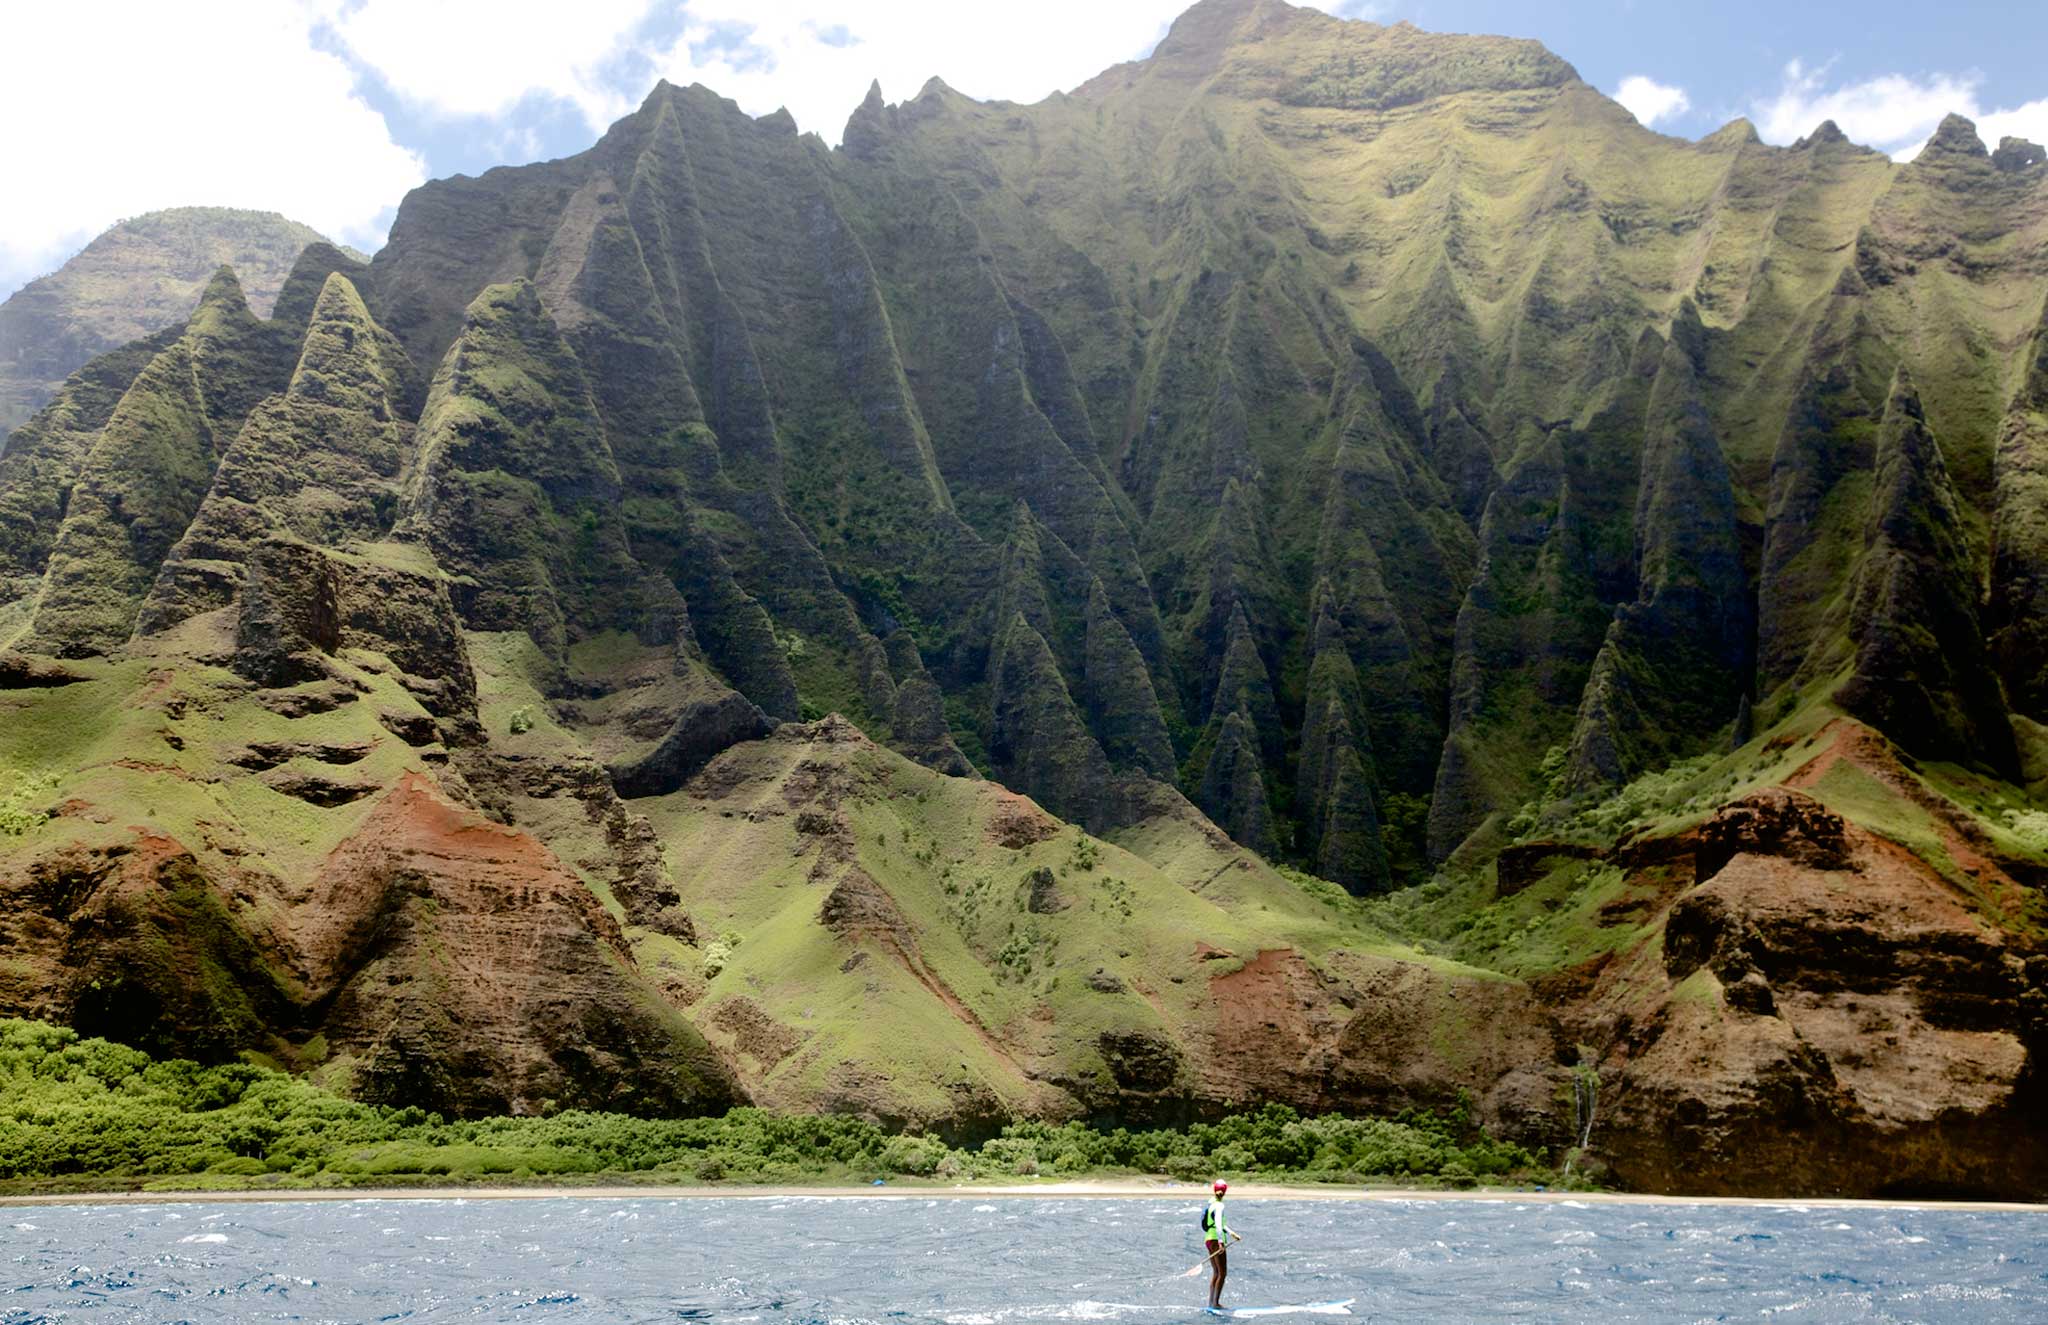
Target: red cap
x: 1222, y: 1186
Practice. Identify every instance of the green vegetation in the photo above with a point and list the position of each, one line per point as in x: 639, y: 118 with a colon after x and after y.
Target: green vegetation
x: 23, y: 802
x: 80, y: 1114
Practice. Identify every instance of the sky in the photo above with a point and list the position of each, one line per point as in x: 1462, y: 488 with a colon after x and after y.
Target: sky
x: 330, y: 110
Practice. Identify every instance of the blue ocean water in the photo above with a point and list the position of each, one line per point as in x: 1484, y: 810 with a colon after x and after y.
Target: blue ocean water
x: 1011, y: 1259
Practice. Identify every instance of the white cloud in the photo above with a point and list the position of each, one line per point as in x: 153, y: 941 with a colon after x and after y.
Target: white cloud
x: 481, y: 57
x: 1650, y: 101
x: 119, y: 108
x: 1894, y: 113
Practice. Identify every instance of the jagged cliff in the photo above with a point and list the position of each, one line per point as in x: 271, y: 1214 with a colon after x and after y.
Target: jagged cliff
x: 1344, y: 447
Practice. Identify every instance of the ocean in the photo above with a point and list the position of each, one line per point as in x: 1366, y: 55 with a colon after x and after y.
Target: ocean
x: 966, y: 1261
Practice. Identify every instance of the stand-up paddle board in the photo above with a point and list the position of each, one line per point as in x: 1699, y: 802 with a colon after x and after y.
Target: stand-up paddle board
x: 1339, y: 1308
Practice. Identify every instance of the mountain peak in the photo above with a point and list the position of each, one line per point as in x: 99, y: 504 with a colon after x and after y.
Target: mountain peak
x: 347, y: 360
x: 223, y: 309
x: 868, y: 124
x: 1956, y: 136
x: 224, y: 290
x: 1213, y: 25
x: 1736, y: 132
x: 1827, y: 131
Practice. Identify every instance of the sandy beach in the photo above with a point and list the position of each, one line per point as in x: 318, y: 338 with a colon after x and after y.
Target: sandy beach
x: 1115, y: 1189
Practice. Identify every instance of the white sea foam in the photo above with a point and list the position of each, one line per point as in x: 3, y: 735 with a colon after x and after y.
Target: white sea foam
x: 204, y: 1237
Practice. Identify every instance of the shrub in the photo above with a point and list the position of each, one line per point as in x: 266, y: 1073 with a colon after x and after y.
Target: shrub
x: 914, y: 1155
x: 23, y: 807
x: 72, y: 1107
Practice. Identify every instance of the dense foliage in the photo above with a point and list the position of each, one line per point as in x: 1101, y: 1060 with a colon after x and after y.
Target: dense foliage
x: 74, y: 1111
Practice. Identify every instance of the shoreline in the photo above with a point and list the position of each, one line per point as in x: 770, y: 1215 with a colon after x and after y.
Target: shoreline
x: 1132, y: 1189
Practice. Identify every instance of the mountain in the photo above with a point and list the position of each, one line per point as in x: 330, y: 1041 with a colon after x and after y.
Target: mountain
x: 1327, y: 564
x: 140, y: 276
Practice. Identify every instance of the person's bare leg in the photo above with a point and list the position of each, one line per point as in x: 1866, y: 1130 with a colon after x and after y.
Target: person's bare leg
x: 1218, y: 1272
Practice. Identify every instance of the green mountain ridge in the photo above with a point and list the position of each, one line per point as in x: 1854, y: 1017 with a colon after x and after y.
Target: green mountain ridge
x: 1318, y: 462
x: 138, y: 277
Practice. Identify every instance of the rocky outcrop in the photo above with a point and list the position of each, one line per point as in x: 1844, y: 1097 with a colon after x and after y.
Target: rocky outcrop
x: 298, y: 606
x: 1787, y: 825
x: 700, y: 731
x: 1860, y: 1033
x: 2017, y: 155
x: 289, y: 615
x: 133, y: 938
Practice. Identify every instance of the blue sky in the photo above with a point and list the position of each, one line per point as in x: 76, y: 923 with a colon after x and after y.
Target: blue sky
x: 1730, y: 55
x: 329, y: 110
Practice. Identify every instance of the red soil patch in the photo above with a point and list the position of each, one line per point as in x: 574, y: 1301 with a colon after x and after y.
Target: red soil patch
x: 1016, y: 821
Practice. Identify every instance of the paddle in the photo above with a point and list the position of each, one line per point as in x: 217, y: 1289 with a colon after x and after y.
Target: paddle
x: 1203, y: 1264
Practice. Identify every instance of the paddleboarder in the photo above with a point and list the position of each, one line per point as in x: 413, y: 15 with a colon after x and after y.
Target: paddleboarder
x: 1216, y: 1236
